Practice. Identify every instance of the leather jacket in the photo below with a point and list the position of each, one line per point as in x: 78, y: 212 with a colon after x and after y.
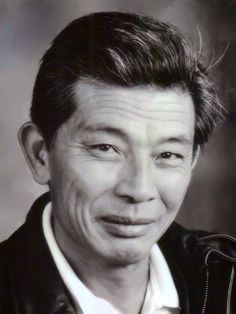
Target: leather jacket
x: 202, y: 265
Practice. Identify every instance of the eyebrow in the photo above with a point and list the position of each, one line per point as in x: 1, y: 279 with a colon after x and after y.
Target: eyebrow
x: 102, y: 127
x: 177, y: 139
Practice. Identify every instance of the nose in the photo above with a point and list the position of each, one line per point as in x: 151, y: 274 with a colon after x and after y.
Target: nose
x: 137, y: 184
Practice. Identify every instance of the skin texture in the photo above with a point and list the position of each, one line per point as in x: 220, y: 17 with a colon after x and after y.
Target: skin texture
x: 118, y: 171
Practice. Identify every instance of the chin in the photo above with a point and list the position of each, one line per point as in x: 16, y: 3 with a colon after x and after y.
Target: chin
x: 123, y: 260
x: 127, y: 256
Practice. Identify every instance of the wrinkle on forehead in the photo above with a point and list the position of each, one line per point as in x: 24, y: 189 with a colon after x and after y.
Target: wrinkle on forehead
x: 171, y: 119
x: 94, y: 88
x: 145, y: 108
x: 143, y: 101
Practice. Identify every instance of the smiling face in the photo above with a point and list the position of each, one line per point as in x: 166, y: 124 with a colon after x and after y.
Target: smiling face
x: 119, y: 170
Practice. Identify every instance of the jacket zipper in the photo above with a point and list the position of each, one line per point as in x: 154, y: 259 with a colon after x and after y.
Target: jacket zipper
x: 207, y: 273
x: 206, y: 293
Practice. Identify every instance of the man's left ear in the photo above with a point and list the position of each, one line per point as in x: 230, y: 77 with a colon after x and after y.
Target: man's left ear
x: 195, y: 156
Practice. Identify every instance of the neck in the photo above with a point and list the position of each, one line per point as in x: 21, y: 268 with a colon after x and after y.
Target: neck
x: 112, y: 282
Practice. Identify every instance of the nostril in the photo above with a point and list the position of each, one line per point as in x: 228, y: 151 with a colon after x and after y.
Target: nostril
x: 130, y: 199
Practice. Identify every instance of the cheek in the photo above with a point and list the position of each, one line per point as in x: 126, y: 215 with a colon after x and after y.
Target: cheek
x: 85, y: 179
x: 172, y: 188
x: 94, y: 178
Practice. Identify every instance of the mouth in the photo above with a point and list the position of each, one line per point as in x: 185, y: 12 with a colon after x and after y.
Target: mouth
x: 126, y: 227
x: 120, y: 220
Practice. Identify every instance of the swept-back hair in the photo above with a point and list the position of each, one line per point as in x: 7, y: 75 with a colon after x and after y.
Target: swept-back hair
x: 120, y: 49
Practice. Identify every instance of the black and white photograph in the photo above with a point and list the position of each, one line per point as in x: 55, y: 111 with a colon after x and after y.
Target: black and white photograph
x: 118, y: 157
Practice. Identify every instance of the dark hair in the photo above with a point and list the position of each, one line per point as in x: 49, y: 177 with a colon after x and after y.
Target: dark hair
x: 121, y: 49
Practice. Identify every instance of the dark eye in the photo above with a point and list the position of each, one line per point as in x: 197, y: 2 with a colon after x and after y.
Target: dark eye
x: 170, y: 156
x: 103, y: 147
x: 104, y: 151
x: 169, y: 159
x: 167, y: 155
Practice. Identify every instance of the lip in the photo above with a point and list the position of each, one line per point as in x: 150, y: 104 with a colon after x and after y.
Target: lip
x: 122, y: 220
x: 126, y: 227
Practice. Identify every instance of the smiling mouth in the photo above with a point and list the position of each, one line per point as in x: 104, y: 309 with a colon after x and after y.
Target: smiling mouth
x: 119, y: 220
x: 126, y: 227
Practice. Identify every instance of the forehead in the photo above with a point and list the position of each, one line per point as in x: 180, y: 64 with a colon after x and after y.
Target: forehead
x: 148, y: 98
x: 137, y: 108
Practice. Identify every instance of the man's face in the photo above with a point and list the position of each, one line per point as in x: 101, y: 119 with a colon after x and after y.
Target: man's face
x: 119, y: 170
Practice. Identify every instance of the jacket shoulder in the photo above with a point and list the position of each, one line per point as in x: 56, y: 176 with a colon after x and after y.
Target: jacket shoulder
x: 200, y: 243
x: 15, y: 253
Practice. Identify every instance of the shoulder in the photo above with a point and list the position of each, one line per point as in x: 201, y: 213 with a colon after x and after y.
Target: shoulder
x: 28, y: 232
x: 28, y: 236
x: 20, y: 255
x: 201, y: 243
x: 8, y: 264
x: 204, y: 265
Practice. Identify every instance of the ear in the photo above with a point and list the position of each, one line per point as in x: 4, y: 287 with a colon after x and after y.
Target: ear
x: 195, y: 157
x: 35, y: 151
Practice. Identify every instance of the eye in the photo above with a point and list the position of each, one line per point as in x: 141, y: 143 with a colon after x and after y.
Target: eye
x: 169, y: 159
x: 169, y: 155
x: 103, y: 148
x: 104, y: 151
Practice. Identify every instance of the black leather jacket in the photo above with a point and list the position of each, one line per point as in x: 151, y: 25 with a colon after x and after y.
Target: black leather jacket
x: 202, y: 265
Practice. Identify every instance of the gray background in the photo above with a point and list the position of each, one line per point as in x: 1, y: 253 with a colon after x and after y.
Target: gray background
x: 26, y: 29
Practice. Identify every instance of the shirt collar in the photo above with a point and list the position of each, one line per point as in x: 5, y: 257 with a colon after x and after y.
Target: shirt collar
x: 161, y: 291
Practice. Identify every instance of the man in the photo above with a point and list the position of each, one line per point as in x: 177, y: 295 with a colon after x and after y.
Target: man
x: 121, y: 106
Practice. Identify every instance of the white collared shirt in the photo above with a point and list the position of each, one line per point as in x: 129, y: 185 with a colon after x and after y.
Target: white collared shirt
x: 161, y: 295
